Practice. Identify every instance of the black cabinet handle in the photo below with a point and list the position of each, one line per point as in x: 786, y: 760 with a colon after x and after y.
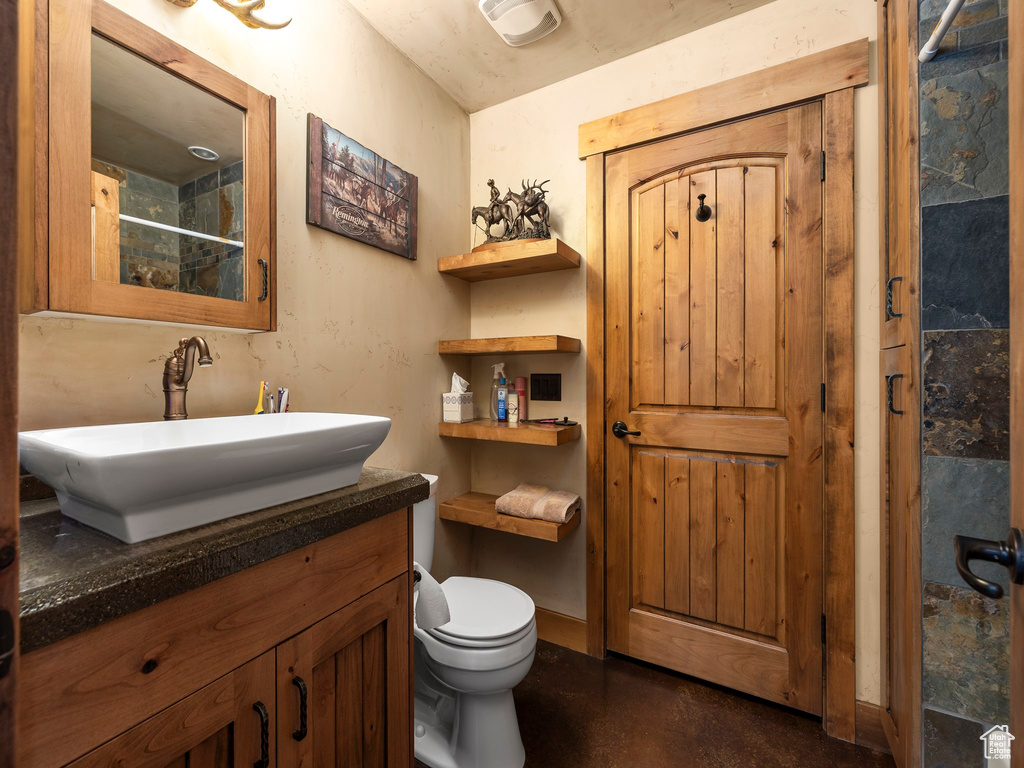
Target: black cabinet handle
x: 619, y: 429
x: 261, y: 709
x: 266, y: 277
x: 1009, y: 553
x: 890, y: 382
x: 299, y: 683
x: 888, y: 298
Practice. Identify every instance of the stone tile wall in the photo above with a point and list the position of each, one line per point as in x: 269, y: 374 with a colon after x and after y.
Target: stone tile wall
x: 213, y: 204
x: 149, y: 256
x: 965, y: 372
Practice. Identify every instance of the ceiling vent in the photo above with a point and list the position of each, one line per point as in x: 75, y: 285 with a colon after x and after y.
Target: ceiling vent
x: 520, y: 22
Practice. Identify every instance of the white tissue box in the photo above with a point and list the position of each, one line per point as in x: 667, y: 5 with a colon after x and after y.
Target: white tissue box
x: 457, y: 408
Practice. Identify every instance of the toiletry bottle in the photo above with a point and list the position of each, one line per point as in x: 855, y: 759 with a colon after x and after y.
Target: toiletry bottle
x: 499, y: 372
x: 502, y: 399
x: 521, y: 394
x: 513, y: 405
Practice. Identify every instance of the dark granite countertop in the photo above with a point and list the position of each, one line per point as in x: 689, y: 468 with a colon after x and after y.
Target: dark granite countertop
x: 74, y: 578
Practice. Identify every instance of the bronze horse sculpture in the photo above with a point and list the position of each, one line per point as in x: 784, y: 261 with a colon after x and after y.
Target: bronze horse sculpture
x: 523, y: 215
x: 497, y: 213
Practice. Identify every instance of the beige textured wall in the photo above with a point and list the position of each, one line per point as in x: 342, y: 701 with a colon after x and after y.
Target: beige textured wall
x: 358, y: 327
x: 536, y: 135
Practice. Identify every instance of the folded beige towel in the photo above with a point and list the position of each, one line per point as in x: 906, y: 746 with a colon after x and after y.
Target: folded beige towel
x: 539, y: 503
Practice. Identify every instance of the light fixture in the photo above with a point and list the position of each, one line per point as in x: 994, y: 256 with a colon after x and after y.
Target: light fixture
x: 204, y: 154
x: 243, y: 11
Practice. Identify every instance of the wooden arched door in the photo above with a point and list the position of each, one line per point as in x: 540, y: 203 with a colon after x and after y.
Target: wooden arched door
x: 714, y: 359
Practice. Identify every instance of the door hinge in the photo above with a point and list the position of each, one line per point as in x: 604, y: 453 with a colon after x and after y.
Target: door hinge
x: 823, y: 397
x: 823, y: 629
x: 822, y: 166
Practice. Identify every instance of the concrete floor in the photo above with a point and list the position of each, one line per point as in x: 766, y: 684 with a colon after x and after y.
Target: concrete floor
x: 576, y: 711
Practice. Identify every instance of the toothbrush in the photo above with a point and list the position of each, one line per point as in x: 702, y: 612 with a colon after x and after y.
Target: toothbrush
x: 282, y: 401
x: 259, y: 402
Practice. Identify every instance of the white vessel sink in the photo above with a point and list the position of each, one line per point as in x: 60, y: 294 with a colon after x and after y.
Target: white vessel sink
x: 139, y: 481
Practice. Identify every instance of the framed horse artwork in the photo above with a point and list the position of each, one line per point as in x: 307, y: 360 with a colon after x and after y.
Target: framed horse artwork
x: 355, y: 192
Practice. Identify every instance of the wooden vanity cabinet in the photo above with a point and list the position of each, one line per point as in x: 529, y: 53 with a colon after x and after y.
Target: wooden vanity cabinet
x: 320, y: 637
x: 352, y: 672
x: 227, y: 724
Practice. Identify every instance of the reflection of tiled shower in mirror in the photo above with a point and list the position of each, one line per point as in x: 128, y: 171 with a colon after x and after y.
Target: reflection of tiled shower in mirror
x: 179, y: 183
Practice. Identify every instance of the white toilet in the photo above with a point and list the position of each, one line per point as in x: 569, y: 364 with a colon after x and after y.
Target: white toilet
x: 465, y: 670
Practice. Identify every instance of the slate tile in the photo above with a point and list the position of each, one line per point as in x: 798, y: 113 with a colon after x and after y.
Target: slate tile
x: 232, y: 173
x: 232, y: 278
x: 932, y: 9
x: 187, y: 191
x: 207, y: 183
x: 148, y: 207
x: 962, y: 496
x: 966, y: 653
x: 966, y: 394
x: 989, y: 32
x: 965, y: 134
x: 965, y: 265
x: 960, y: 61
x: 207, y: 214
x: 155, y: 188
x: 951, y: 741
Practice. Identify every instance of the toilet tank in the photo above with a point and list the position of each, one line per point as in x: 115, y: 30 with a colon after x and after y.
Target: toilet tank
x: 423, y: 516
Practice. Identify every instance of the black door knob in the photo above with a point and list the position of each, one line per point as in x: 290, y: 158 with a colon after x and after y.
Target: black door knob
x: 619, y: 429
x: 1009, y: 553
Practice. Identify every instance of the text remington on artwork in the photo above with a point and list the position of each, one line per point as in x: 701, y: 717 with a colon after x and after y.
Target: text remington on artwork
x: 357, y: 193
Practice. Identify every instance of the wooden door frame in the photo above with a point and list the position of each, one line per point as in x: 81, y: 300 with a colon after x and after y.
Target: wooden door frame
x: 16, y: 131
x: 1016, y: 47
x: 828, y: 77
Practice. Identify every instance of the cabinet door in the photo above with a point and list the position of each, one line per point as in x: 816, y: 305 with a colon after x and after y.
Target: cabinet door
x: 901, y: 556
x: 899, y: 173
x: 227, y: 724
x: 181, y: 226
x: 344, y: 686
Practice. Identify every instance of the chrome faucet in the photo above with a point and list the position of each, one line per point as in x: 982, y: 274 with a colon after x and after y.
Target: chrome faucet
x: 177, y: 372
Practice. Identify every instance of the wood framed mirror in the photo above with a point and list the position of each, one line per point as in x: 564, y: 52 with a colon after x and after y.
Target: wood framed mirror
x: 155, y: 178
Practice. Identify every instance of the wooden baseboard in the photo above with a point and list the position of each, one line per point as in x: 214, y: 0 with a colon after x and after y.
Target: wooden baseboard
x: 869, y: 727
x: 566, y: 631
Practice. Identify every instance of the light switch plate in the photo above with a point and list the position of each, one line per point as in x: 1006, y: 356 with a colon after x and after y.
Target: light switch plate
x: 546, y: 386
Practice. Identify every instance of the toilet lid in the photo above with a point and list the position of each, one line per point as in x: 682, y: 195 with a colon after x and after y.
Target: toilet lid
x: 482, y: 609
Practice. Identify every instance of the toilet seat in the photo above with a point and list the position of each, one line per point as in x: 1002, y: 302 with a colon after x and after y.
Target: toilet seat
x: 484, y: 613
x: 479, y: 659
x: 492, y: 625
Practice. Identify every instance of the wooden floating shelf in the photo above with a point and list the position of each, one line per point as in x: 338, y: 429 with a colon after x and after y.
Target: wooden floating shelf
x: 510, y: 345
x: 503, y: 432
x: 525, y: 257
x: 478, y: 509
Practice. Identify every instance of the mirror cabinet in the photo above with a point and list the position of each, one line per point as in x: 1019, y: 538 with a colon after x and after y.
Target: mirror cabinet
x: 155, y: 178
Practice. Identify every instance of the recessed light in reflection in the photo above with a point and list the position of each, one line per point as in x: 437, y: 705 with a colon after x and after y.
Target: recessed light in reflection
x: 204, y: 154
